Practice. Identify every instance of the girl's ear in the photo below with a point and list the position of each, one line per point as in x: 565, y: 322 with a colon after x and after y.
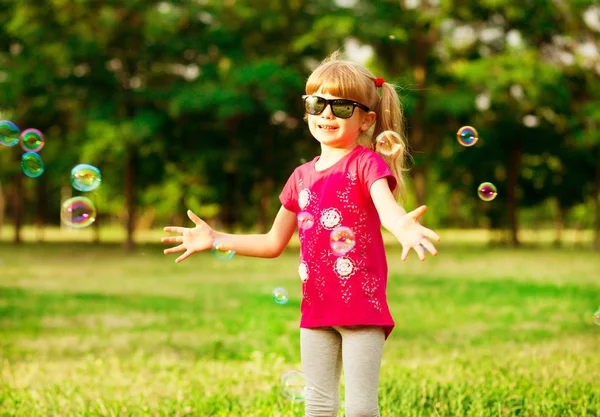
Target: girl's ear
x: 368, y: 121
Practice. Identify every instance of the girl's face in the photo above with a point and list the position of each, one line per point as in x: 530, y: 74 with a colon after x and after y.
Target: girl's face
x: 335, y: 132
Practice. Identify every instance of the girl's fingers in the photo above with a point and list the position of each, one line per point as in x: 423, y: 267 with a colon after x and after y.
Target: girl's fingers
x: 420, y: 251
x: 418, y: 212
x: 172, y: 239
x: 404, y: 255
x: 175, y: 229
x: 428, y: 246
x: 430, y: 234
x: 197, y: 220
x: 185, y: 255
x: 174, y: 249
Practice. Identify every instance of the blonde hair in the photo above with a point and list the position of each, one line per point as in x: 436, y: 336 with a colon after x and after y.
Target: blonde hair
x: 343, y: 78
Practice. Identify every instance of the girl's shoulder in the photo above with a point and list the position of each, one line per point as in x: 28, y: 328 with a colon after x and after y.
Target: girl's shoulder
x: 366, y: 155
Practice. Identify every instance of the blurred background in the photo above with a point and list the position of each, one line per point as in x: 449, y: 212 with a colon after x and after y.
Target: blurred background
x: 196, y: 104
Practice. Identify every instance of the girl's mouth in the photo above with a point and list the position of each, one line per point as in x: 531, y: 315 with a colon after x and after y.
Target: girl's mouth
x: 326, y: 127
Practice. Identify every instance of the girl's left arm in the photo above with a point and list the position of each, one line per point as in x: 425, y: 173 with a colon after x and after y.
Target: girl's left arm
x: 404, y: 226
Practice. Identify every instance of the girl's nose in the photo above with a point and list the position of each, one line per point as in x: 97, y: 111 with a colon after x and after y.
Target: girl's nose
x: 327, y: 113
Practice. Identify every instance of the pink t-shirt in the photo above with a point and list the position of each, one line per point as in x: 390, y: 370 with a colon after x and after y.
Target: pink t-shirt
x: 343, y: 290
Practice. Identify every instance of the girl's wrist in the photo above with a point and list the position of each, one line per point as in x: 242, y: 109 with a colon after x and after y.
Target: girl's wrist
x: 221, y: 238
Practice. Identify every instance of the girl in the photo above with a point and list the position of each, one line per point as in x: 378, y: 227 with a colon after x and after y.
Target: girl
x: 345, y: 317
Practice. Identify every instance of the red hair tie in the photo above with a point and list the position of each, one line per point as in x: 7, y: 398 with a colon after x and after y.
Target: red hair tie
x: 379, y: 82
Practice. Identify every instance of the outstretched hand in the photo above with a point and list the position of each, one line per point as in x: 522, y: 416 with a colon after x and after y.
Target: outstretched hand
x: 412, y: 235
x: 190, y: 239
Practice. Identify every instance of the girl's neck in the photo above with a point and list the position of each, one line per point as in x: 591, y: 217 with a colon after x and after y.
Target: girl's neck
x: 329, y: 156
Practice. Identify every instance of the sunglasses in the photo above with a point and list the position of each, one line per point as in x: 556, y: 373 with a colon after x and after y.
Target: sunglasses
x: 340, y: 107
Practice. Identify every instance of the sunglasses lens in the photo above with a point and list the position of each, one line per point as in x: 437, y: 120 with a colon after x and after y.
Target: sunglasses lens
x: 314, y: 105
x: 342, y: 110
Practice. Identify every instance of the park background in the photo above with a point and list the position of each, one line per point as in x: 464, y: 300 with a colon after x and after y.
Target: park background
x: 196, y: 104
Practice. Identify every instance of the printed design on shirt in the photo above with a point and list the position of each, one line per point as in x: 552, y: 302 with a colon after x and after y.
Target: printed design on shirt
x: 304, y: 274
x: 305, y: 294
x: 331, y: 218
x: 305, y: 198
x: 363, y: 241
x: 344, y: 195
x: 345, y: 267
x: 303, y: 271
x: 370, y: 285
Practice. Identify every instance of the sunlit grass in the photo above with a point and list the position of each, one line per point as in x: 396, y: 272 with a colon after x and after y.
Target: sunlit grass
x: 96, y: 330
x: 116, y: 234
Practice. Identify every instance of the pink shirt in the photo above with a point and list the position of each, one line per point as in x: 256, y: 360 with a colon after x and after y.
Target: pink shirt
x: 350, y: 289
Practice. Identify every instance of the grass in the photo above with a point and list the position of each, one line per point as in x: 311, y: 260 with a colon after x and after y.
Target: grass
x: 90, y: 330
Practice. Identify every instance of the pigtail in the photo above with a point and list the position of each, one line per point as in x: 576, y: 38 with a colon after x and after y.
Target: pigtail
x: 390, y: 118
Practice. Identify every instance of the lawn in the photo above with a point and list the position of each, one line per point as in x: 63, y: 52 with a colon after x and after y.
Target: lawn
x: 91, y: 330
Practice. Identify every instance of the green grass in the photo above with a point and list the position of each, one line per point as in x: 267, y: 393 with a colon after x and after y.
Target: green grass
x: 91, y: 330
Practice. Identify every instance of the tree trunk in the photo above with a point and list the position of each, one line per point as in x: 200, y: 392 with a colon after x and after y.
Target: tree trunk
x: 2, y: 208
x: 40, y: 215
x: 266, y: 192
x: 417, y: 133
x: 130, y: 196
x: 267, y: 185
x: 66, y: 192
x: 560, y: 224
x: 596, y: 204
x: 231, y: 171
x: 18, y: 196
x: 514, y: 168
x: 96, y: 225
x: 230, y: 197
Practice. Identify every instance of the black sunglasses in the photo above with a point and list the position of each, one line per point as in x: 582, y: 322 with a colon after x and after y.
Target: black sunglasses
x: 340, y: 107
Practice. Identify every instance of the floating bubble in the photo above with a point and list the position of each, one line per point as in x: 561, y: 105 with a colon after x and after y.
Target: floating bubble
x: 78, y: 212
x: 280, y: 295
x: 342, y: 240
x: 9, y: 133
x: 388, y: 143
x: 32, y: 164
x: 293, y: 386
x: 305, y: 220
x: 467, y: 136
x: 487, y: 191
x: 221, y: 249
x: 32, y: 140
x: 85, y: 177
x: 597, y: 317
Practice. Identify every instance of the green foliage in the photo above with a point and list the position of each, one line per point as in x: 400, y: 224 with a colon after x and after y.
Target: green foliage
x: 202, y: 98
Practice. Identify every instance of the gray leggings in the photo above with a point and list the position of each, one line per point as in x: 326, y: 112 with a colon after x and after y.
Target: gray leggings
x: 323, y: 351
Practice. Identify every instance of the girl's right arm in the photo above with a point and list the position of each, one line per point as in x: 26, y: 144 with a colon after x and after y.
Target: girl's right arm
x: 202, y: 236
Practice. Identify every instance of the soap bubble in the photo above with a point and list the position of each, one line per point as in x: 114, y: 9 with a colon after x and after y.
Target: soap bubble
x: 32, y: 164
x: 280, y: 295
x: 305, y: 220
x: 222, y: 249
x: 32, y: 140
x: 467, y: 136
x: 85, y: 177
x: 9, y: 133
x: 388, y: 143
x: 342, y: 240
x: 487, y: 191
x: 78, y: 212
x: 597, y: 317
x: 293, y: 386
